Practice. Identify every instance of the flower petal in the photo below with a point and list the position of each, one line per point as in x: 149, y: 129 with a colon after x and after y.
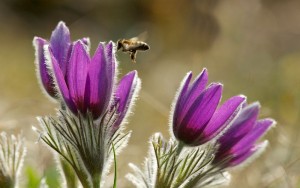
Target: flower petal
x: 179, y: 101
x: 77, y: 75
x: 125, y: 89
x: 111, y: 63
x: 261, y: 127
x: 42, y: 71
x: 100, y: 80
x: 249, y: 154
x: 124, y: 95
x: 194, y: 91
x: 60, y: 80
x: 203, y: 107
x: 192, y: 125
x: 223, y: 116
x: 60, y: 41
x: 86, y: 41
x: 241, y: 126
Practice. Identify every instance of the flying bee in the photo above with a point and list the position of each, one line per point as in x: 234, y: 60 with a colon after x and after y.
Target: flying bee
x: 131, y: 46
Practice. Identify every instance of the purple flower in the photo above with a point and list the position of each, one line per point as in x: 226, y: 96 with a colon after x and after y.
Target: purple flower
x: 60, y: 44
x: 196, y: 118
x: 90, y: 82
x: 238, y: 142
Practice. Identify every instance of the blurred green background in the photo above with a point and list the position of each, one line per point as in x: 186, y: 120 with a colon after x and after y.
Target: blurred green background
x: 252, y: 47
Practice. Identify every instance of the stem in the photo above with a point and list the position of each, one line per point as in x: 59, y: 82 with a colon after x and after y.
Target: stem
x: 179, y: 148
x: 83, y: 180
x: 115, y: 163
x: 96, y: 180
x: 70, y: 177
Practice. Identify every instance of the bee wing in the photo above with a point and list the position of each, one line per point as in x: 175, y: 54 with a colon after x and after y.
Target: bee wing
x: 141, y: 37
x: 134, y: 39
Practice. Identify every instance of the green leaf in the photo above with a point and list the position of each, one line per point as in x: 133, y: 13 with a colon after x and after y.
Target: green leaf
x: 115, y: 164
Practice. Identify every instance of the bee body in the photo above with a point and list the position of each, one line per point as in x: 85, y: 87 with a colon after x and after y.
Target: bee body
x: 131, y: 46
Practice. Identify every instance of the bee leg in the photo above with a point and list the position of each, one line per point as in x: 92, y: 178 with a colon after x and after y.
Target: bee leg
x: 119, y: 45
x: 133, y: 56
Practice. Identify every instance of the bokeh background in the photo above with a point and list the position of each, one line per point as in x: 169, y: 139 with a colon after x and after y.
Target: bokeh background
x: 252, y: 47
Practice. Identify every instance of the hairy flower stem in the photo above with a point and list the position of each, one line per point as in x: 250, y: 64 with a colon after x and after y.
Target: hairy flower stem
x: 83, y: 180
x: 179, y: 148
x: 96, y: 180
x: 70, y: 176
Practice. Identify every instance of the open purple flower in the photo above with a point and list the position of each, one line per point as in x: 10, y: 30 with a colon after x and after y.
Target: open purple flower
x: 196, y: 118
x: 90, y: 82
x: 60, y: 44
x: 239, y: 141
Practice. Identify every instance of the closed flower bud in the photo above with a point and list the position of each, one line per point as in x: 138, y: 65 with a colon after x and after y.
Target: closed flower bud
x: 196, y: 117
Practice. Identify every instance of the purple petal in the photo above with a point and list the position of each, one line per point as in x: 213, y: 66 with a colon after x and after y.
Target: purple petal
x: 236, y: 160
x: 77, y: 75
x: 60, y: 41
x: 179, y: 100
x: 41, y: 66
x: 223, y: 116
x: 86, y: 41
x: 255, y: 150
x: 199, y: 83
x: 242, y: 125
x: 125, y: 90
x: 203, y: 107
x: 124, y: 94
x: 100, y: 81
x: 194, y: 91
x: 61, y: 83
x: 96, y: 82
x: 111, y: 66
x: 261, y: 127
x: 111, y: 63
x: 199, y: 114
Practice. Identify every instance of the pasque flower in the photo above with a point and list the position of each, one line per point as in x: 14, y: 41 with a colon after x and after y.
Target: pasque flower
x: 239, y: 142
x: 93, y: 104
x: 60, y: 44
x: 196, y: 118
x: 90, y: 81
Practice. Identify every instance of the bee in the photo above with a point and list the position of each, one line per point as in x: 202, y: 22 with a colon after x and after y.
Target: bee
x: 131, y: 46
